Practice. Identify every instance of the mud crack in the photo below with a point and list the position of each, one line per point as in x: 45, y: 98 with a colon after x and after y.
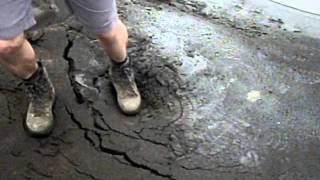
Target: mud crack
x: 71, y: 70
x: 86, y: 174
x: 113, y: 152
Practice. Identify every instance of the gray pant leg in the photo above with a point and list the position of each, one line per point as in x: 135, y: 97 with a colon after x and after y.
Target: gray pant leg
x: 15, y: 17
x: 96, y: 15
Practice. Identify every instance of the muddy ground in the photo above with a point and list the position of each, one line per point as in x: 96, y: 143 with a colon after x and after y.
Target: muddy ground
x: 231, y: 91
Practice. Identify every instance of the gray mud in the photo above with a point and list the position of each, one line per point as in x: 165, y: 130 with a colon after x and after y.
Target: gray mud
x: 230, y: 91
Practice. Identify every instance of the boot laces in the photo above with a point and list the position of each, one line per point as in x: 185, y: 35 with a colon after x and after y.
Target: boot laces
x: 38, y: 94
x: 125, y: 79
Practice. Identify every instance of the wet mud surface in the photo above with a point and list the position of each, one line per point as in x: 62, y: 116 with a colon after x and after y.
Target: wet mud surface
x: 229, y: 92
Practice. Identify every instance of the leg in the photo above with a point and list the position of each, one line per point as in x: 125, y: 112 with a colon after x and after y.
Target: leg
x: 17, y: 55
x: 101, y: 18
x: 115, y: 42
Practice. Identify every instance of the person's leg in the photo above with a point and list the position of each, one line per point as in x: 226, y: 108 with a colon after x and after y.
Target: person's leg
x: 17, y: 55
x: 115, y: 41
x: 115, y: 44
x: 100, y: 17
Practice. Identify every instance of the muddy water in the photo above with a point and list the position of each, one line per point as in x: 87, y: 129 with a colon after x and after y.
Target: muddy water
x: 240, y: 103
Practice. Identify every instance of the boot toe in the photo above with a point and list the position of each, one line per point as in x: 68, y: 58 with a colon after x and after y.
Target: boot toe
x: 39, y: 126
x: 130, y: 106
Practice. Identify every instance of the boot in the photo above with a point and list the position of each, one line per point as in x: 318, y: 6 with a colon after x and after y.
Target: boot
x: 39, y: 120
x: 123, y: 80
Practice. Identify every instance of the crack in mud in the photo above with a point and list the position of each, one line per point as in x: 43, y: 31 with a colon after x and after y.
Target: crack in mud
x: 79, y: 125
x: 101, y: 148
x: 86, y: 174
x: 71, y: 68
x: 96, y: 114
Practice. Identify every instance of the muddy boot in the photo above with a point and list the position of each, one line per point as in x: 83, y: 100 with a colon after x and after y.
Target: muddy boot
x: 39, y: 120
x: 122, y: 78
